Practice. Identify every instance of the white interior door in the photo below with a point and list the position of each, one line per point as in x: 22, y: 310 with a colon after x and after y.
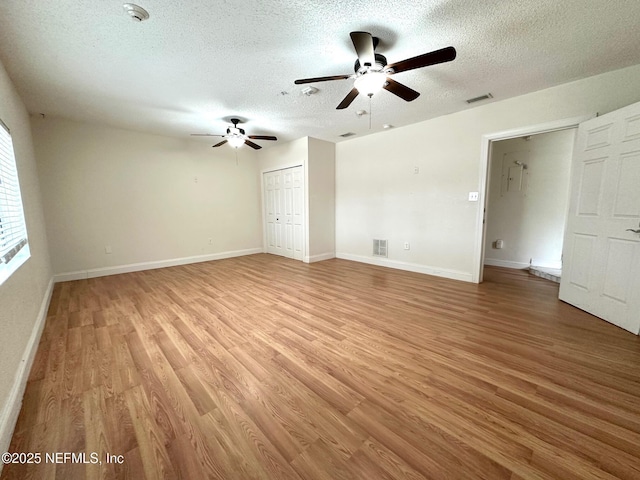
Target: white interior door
x: 284, y: 212
x: 273, y: 212
x: 297, y: 216
x: 287, y: 184
x: 601, y: 267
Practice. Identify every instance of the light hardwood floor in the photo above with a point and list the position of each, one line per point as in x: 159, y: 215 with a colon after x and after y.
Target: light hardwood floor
x: 261, y: 367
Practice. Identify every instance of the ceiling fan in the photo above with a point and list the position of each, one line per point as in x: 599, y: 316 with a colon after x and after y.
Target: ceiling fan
x: 372, y: 72
x: 237, y: 137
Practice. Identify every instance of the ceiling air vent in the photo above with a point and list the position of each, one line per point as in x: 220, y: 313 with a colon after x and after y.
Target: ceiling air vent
x: 480, y: 98
x: 379, y: 248
x: 348, y: 134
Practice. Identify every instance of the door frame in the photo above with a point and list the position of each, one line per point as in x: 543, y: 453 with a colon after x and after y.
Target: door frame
x: 276, y: 168
x: 485, y: 163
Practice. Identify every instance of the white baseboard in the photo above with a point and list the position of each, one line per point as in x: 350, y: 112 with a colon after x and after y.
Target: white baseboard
x: 320, y: 257
x: 136, y: 267
x: 547, y: 264
x: 494, y: 262
x: 411, y: 267
x: 11, y: 409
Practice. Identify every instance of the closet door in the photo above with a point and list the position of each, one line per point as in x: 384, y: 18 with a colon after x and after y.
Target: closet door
x: 298, y: 212
x: 284, y: 212
x: 288, y: 207
x: 273, y: 212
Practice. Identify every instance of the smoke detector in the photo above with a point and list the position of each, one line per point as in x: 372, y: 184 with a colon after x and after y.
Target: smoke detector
x: 136, y: 12
x: 309, y: 91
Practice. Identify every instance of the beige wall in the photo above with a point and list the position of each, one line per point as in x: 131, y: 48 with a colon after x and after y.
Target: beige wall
x: 150, y: 198
x: 24, y: 294
x: 284, y: 155
x: 530, y: 220
x: 379, y: 196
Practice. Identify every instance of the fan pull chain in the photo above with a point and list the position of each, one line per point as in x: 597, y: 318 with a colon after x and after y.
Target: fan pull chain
x: 370, y: 112
x: 236, y: 156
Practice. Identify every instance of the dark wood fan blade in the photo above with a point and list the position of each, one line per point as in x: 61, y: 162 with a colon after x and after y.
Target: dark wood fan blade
x: 401, y: 90
x: 363, y: 43
x: 262, y: 137
x: 351, y: 96
x: 432, y: 58
x: 255, y: 146
x: 218, y: 144
x: 205, y: 135
x: 321, y: 79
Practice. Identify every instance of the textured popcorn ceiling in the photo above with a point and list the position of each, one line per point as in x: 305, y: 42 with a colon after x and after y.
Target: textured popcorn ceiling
x: 195, y: 62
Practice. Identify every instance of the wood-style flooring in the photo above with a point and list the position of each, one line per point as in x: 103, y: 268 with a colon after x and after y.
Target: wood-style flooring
x: 261, y: 367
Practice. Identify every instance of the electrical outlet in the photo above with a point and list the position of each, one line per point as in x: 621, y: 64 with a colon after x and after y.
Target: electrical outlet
x: 406, y: 245
x: 107, y: 249
x: 473, y: 196
x: 416, y: 170
x: 211, y: 241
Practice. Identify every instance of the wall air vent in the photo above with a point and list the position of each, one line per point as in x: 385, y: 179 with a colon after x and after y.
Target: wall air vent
x: 348, y: 134
x: 379, y: 248
x: 480, y: 98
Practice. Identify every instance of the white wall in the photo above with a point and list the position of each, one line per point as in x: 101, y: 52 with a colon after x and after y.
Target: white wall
x: 530, y: 221
x: 150, y: 198
x: 379, y: 196
x: 24, y: 296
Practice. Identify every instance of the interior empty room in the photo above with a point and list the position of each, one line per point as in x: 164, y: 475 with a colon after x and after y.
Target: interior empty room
x: 320, y: 240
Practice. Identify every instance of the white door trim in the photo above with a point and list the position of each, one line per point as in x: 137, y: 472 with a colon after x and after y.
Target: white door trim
x: 478, y: 253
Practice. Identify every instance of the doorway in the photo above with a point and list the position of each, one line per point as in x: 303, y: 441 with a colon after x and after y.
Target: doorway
x: 488, y: 142
x: 527, y: 201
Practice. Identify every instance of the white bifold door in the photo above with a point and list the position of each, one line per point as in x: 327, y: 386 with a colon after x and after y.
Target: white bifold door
x: 601, y: 257
x: 284, y: 212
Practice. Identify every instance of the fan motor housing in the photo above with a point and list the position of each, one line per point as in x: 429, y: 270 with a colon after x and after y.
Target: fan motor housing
x: 381, y: 62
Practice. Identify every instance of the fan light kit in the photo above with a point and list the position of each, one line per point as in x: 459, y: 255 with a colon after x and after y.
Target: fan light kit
x: 236, y: 137
x: 370, y: 83
x: 372, y: 73
x: 136, y: 12
x: 236, y: 140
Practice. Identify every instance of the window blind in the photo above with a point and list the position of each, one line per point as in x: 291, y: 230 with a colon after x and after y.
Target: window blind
x: 13, y: 233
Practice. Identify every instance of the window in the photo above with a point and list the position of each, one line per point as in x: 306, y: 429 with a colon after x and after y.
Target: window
x: 14, y: 247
